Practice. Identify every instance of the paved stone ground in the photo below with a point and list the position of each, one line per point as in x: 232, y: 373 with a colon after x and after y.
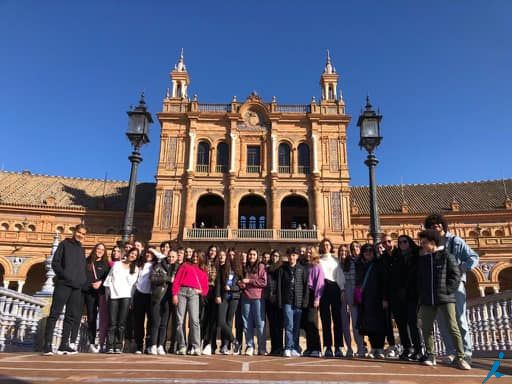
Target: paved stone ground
x: 18, y: 368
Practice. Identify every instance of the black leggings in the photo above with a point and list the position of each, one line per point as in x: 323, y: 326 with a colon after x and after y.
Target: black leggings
x: 311, y: 325
x: 160, y: 312
x: 92, y: 302
x: 118, y: 312
x: 376, y: 340
x: 330, y: 306
x: 275, y: 325
x: 209, y: 320
x: 226, y: 313
x: 141, y: 311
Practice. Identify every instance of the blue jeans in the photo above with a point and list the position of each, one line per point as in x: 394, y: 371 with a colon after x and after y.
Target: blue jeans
x: 291, y: 316
x: 462, y: 321
x: 253, y: 316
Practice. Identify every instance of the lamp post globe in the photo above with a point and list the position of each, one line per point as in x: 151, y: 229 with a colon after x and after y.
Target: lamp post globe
x: 369, y: 139
x: 139, y: 120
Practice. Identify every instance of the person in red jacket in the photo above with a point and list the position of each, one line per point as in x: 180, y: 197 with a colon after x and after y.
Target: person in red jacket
x: 190, y: 283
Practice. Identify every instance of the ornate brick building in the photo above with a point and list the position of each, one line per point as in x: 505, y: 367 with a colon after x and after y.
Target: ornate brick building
x: 247, y: 173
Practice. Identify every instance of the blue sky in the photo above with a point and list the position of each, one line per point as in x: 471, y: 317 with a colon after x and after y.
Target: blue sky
x: 440, y: 72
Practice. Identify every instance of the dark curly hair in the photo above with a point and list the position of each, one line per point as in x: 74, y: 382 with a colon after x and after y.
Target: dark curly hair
x: 435, y: 218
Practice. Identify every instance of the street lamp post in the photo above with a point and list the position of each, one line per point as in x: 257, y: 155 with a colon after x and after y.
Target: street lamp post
x: 370, y: 138
x: 138, y: 134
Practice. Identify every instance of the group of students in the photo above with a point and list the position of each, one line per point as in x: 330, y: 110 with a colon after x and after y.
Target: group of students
x: 357, y: 291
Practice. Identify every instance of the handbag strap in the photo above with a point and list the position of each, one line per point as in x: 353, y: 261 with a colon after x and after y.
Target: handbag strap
x: 365, y: 280
x: 94, y: 271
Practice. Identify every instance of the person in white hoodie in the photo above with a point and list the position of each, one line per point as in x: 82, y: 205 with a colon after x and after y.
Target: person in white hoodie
x: 120, y: 284
x: 330, y: 302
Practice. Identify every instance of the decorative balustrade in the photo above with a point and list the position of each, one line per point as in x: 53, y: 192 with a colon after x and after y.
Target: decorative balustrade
x: 219, y: 168
x: 207, y: 107
x: 304, y: 169
x: 489, y: 320
x: 19, y: 318
x: 293, y: 108
x: 284, y: 169
x: 250, y: 234
x: 253, y: 169
x: 202, y: 168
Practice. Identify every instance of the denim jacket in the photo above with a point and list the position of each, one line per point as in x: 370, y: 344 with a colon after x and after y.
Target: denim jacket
x: 465, y: 256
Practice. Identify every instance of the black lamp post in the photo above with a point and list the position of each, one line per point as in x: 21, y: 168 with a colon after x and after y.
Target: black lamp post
x: 370, y: 138
x: 138, y: 132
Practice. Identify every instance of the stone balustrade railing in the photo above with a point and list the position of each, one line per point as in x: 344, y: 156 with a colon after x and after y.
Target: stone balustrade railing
x: 19, y: 318
x: 490, y: 319
x: 251, y: 234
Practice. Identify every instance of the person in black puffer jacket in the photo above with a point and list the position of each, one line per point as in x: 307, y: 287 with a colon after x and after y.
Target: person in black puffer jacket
x: 438, y: 277
x: 274, y: 314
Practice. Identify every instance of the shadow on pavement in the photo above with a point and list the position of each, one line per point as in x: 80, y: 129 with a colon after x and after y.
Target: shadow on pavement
x: 12, y: 380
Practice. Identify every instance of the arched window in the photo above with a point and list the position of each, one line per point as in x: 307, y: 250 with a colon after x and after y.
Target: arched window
x: 18, y: 227
x: 222, y: 157
x: 203, y: 157
x: 60, y: 229
x: 31, y: 228
x: 261, y: 222
x: 284, y: 158
x: 499, y: 233
x: 243, y: 222
x: 486, y: 233
x: 252, y: 222
x: 4, y: 227
x: 304, y: 164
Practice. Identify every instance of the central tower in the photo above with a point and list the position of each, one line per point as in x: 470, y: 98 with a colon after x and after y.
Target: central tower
x: 252, y: 171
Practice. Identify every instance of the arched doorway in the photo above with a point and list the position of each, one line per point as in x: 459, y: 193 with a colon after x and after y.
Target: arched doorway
x: 294, y: 213
x: 252, y: 212
x: 2, y: 274
x: 35, y: 279
x: 210, y: 211
x: 472, y: 291
x: 505, y: 279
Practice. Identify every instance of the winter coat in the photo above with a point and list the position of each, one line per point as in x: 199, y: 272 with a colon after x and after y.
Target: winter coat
x: 400, y: 282
x: 372, y: 316
x: 101, y: 269
x: 69, y: 264
x: 220, y: 286
x: 299, y: 288
x: 438, y: 277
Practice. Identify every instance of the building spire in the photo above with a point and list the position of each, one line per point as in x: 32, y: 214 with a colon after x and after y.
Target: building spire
x: 329, y: 68
x: 180, y: 65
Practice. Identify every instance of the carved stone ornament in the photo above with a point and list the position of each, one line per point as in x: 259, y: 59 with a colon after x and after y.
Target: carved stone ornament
x: 486, y: 269
x: 16, y: 262
x: 252, y: 119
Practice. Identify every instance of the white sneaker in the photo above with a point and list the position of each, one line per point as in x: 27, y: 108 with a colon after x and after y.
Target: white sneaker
x: 380, y: 354
x: 93, y: 349
x: 287, y: 353
x: 249, y: 351
x: 295, y: 353
x: 153, y: 350
x: 391, y: 353
x: 160, y: 350
x: 138, y: 352
x: 207, y: 350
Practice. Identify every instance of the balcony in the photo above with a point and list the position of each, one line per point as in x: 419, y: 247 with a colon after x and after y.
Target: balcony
x: 202, y: 168
x: 253, y: 168
x: 284, y: 169
x: 221, y: 168
x: 292, y: 235
x: 304, y: 169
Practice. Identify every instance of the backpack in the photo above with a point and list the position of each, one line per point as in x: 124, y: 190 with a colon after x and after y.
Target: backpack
x: 158, y: 276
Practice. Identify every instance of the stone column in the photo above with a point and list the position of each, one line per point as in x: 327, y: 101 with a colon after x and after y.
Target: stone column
x: 276, y: 209
x: 232, y: 208
x: 315, y: 152
x: 232, y: 157
x: 317, y: 194
x: 192, y: 139
x: 21, y: 283
x: 274, y: 155
x: 6, y: 284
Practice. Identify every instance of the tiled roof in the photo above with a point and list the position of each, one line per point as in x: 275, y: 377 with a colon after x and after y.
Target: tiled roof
x: 425, y: 198
x: 24, y: 188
